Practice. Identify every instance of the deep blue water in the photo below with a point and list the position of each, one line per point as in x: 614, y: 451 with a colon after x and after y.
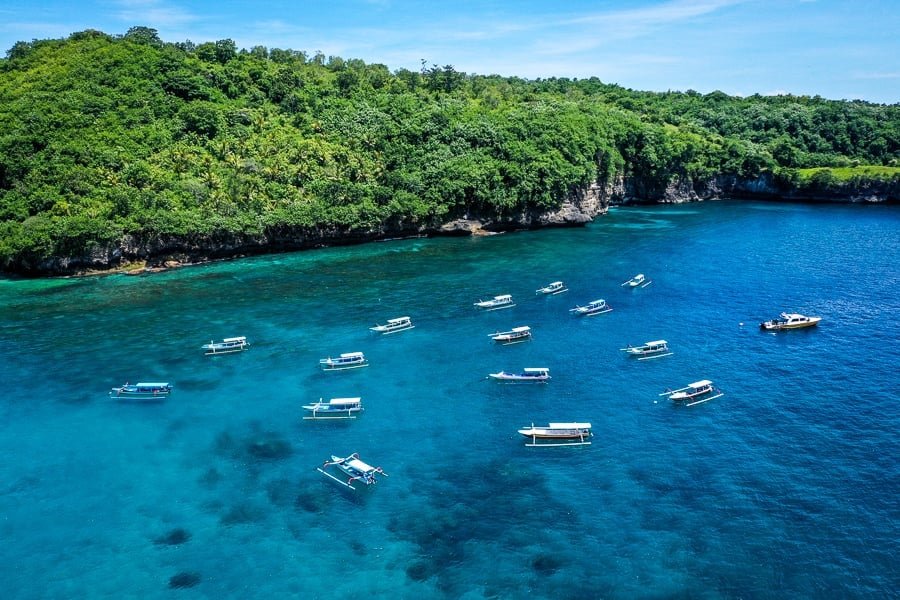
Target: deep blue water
x: 786, y: 487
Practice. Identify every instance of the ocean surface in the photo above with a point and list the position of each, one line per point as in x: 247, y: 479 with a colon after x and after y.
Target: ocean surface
x: 788, y: 486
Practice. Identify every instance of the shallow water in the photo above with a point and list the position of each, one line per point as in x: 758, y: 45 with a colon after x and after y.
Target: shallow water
x: 786, y: 486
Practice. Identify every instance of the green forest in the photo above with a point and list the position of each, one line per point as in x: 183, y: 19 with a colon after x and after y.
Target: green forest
x: 105, y: 136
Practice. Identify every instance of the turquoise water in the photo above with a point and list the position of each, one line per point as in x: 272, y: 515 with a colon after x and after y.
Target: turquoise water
x: 787, y: 486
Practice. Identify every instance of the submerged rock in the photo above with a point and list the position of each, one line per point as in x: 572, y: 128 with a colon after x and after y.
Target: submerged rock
x: 185, y: 579
x: 175, y: 537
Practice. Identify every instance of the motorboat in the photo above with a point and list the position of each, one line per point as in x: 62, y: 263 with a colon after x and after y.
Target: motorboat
x: 496, y: 303
x: 226, y: 346
x: 393, y: 326
x: 789, y: 321
x: 528, y: 375
x: 648, y: 350
x: 551, y: 289
x: 355, y: 470
x: 335, y: 408
x: 348, y: 360
x: 513, y: 336
x: 558, y: 434
x: 595, y: 307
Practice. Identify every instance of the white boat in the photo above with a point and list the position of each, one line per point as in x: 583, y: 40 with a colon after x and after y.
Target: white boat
x: 336, y: 408
x: 596, y: 307
x: 348, y: 360
x: 393, y: 326
x: 638, y: 281
x: 528, y: 375
x: 142, y: 391
x: 695, y: 393
x: 648, y: 350
x: 513, y: 336
x: 226, y: 346
x: 551, y: 289
x: 789, y: 321
x: 496, y: 303
x: 353, y: 468
x: 558, y: 434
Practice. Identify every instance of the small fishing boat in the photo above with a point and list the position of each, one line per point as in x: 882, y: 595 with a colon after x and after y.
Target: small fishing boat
x: 789, y: 321
x: 496, y: 303
x: 513, y: 336
x: 226, y: 346
x: 551, y: 289
x: 694, y: 393
x: 393, y: 326
x: 348, y: 360
x: 638, y: 281
x: 353, y: 468
x: 596, y: 307
x: 528, y: 375
x: 336, y: 408
x: 648, y: 350
x: 142, y: 391
x: 558, y: 434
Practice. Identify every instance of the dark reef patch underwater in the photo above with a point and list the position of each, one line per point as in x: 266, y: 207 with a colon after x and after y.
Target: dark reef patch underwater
x: 786, y: 486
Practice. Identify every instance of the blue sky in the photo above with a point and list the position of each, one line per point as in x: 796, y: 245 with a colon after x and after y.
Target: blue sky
x: 840, y: 49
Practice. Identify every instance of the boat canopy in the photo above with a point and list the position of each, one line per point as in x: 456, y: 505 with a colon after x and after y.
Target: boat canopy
x: 153, y: 384
x: 344, y: 401
x: 657, y: 343
x: 235, y: 339
x: 535, y: 369
x: 398, y: 320
x: 522, y: 329
x: 352, y: 355
x: 358, y: 465
x: 701, y: 383
x: 569, y: 426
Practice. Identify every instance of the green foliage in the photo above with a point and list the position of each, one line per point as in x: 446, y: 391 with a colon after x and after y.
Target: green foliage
x: 104, y: 136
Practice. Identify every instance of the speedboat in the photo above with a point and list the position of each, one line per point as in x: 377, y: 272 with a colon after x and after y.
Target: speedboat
x: 789, y: 321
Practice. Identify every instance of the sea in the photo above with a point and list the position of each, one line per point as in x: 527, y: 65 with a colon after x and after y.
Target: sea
x: 786, y: 486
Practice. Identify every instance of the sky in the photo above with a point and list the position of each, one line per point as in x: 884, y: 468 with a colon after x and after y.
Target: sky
x: 837, y: 49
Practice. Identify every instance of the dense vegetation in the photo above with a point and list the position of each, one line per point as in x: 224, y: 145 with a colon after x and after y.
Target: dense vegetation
x: 103, y: 136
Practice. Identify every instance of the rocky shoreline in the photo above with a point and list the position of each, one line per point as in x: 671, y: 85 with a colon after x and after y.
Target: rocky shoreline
x: 138, y: 255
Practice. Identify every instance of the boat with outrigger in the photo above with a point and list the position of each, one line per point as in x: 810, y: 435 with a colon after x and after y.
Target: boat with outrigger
x: 335, y: 408
x: 595, y: 307
x: 558, y: 434
x: 789, y: 321
x: 496, y: 303
x: 513, y: 336
x: 226, y: 346
x: 154, y: 391
x: 648, y: 350
x: 528, y: 375
x: 694, y: 393
x: 355, y: 470
x: 551, y: 289
x: 348, y: 360
x: 638, y: 280
x: 393, y: 326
